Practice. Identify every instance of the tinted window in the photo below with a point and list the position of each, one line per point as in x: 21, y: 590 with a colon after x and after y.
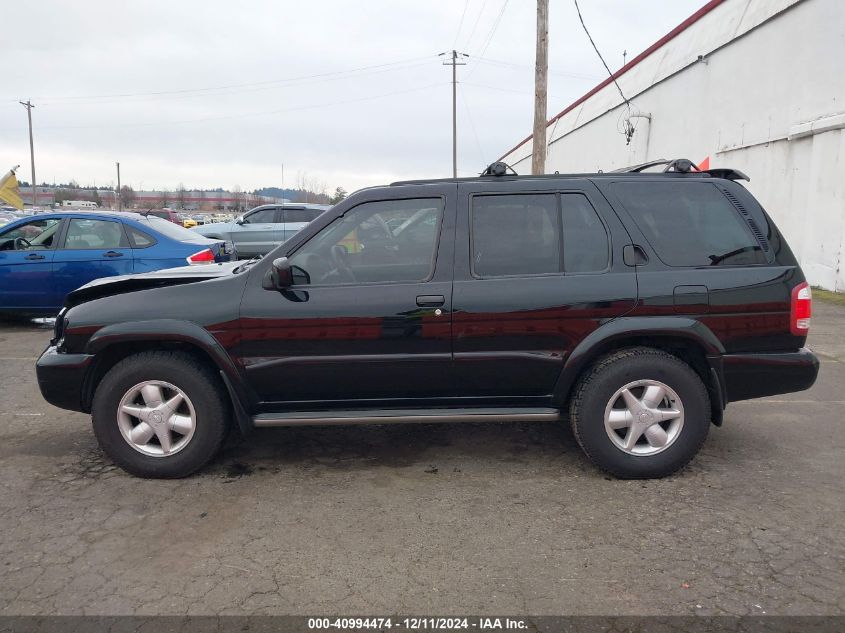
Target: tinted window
x: 139, y: 238
x: 173, y: 231
x: 389, y: 241
x: 82, y: 234
x: 585, y: 245
x: 690, y: 224
x: 300, y: 215
x: 160, y: 214
x: 515, y: 235
x: 264, y: 216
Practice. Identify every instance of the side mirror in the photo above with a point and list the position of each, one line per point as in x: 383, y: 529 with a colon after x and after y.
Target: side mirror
x: 279, y: 277
x: 239, y: 219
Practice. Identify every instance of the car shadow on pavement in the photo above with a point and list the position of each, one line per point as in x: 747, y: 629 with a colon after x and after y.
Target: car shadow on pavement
x: 365, y: 447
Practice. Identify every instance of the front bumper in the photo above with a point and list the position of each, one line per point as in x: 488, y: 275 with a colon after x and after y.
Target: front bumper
x: 767, y: 374
x: 61, y: 378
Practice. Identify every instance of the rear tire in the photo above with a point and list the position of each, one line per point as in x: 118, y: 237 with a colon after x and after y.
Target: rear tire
x: 160, y: 414
x: 621, y: 425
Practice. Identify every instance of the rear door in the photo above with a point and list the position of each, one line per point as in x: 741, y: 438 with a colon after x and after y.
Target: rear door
x: 90, y: 248
x: 535, y: 272
x: 294, y: 220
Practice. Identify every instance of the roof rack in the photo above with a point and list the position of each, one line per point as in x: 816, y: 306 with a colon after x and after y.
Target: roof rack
x: 684, y: 166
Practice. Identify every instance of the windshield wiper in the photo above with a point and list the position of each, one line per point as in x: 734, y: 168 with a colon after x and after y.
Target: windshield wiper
x: 247, y: 263
x: 715, y: 259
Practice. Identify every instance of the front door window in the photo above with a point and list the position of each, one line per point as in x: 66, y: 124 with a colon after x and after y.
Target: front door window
x: 376, y: 242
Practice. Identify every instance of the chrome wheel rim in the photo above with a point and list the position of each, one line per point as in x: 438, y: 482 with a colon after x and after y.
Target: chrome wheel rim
x: 156, y: 418
x: 645, y: 417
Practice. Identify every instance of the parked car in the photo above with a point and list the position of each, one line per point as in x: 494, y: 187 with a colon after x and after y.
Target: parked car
x: 635, y: 305
x: 165, y: 214
x: 42, y: 258
x: 261, y: 229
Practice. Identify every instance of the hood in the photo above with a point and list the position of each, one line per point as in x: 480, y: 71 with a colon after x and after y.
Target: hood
x: 107, y: 286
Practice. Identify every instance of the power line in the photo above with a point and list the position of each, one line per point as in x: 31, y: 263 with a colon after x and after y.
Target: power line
x: 472, y: 126
x: 461, y: 23
x: 562, y: 73
x: 596, y: 48
x: 489, y: 37
x: 475, y: 24
x: 493, y: 30
x: 238, y: 116
x: 237, y: 86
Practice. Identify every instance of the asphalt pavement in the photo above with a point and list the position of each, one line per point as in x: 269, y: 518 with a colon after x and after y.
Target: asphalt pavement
x: 430, y: 519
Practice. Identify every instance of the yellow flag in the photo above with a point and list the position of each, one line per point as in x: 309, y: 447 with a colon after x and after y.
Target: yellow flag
x: 9, y: 192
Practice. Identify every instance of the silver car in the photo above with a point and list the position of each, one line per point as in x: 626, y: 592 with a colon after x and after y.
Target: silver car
x: 260, y: 230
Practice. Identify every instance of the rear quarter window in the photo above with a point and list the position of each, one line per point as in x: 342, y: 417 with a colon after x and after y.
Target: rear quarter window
x: 690, y: 224
x: 170, y: 230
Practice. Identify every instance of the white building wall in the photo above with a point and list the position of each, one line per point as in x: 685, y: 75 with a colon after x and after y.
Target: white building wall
x: 768, y: 99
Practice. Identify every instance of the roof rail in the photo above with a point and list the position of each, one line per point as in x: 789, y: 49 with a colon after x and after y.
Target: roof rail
x: 684, y: 166
x: 681, y: 165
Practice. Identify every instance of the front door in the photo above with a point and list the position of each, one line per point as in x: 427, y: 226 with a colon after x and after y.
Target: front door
x: 535, y: 273
x: 259, y: 232
x: 369, y: 317
x: 26, y: 263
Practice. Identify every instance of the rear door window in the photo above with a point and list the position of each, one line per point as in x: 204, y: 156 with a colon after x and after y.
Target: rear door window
x: 94, y: 234
x: 299, y: 215
x: 515, y: 235
x: 690, y: 224
x: 520, y: 234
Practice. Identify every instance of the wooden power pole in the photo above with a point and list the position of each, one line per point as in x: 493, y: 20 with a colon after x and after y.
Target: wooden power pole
x: 28, y: 105
x: 541, y: 70
x: 454, y: 60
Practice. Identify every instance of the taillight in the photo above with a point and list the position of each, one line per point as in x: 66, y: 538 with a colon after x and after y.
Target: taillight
x: 203, y: 257
x: 801, y: 309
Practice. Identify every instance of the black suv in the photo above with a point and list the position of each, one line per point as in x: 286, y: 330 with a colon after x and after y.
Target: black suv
x: 636, y: 305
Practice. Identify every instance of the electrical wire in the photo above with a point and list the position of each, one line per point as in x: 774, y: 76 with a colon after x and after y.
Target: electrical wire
x: 472, y: 126
x: 561, y: 73
x: 460, y: 24
x: 206, y: 89
x: 475, y: 24
x: 493, y: 30
x: 489, y: 38
x: 238, y: 116
x: 596, y: 48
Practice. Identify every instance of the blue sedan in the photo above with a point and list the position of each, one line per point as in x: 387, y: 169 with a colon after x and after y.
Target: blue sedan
x: 44, y: 257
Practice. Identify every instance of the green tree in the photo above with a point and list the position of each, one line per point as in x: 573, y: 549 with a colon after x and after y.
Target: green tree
x: 339, y: 194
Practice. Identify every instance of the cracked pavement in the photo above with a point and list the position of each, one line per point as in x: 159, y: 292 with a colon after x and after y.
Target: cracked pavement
x: 431, y: 519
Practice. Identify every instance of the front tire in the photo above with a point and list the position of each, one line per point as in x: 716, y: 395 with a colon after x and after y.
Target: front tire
x: 640, y: 413
x: 160, y: 414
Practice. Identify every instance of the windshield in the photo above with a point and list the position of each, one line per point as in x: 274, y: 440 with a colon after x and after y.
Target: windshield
x: 171, y: 230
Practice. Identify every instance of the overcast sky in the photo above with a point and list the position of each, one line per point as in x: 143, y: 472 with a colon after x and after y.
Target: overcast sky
x: 212, y: 94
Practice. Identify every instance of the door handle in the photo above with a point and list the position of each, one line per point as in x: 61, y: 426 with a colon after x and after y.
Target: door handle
x: 112, y: 254
x: 430, y: 301
x: 34, y: 256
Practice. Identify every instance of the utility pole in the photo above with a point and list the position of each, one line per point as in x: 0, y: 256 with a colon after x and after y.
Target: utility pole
x: 541, y: 69
x: 119, y: 201
x: 28, y: 105
x: 454, y: 60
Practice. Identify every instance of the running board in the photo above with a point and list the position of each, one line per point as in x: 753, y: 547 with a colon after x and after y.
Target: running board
x: 403, y: 416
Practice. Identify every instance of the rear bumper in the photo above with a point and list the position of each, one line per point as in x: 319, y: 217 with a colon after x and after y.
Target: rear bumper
x: 757, y: 375
x: 61, y: 377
